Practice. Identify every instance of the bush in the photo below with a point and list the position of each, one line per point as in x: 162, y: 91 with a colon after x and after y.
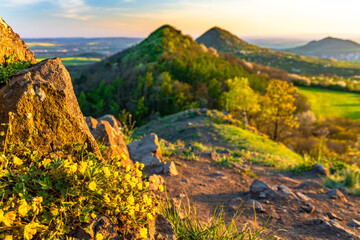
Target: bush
x: 49, y: 197
x: 9, y: 68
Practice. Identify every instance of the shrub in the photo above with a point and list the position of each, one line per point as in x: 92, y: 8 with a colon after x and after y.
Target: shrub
x: 8, y: 69
x: 49, y: 197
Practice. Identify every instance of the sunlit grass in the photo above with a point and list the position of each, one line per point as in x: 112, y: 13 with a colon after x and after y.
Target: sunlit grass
x: 329, y: 103
x: 257, y: 148
x: 71, y: 61
x: 41, y: 44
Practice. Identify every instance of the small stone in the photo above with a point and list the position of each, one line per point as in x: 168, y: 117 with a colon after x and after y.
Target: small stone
x: 284, y: 191
x: 354, y: 223
x: 185, y: 180
x: 316, y: 221
x: 236, y: 203
x: 336, y: 194
x: 321, y: 170
x: 255, y: 204
x: 170, y: 169
x: 258, y: 186
x: 303, y: 197
x: 333, y: 216
x: 308, y: 209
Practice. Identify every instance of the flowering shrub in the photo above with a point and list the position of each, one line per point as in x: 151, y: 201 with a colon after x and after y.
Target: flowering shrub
x: 46, y: 198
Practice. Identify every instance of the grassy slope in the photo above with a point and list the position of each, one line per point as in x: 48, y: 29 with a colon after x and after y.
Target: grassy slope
x: 329, y: 103
x: 210, y: 130
x: 267, y: 151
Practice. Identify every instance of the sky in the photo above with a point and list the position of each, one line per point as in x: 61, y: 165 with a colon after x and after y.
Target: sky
x: 138, y: 18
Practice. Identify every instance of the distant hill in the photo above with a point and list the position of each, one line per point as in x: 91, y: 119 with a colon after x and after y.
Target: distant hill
x: 329, y: 48
x: 224, y: 41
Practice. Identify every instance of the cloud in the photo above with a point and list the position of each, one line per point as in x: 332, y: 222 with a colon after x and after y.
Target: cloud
x: 75, y: 9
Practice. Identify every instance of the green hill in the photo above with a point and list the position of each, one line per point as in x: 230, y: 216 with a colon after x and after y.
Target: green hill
x: 166, y: 73
x: 225, y: 41
x: 328, y: 47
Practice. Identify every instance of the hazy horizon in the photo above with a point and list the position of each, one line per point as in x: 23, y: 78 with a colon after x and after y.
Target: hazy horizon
x: 306, y: 19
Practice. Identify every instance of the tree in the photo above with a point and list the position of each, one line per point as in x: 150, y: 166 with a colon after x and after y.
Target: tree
x: 240, y: 99
x: 278, y: 106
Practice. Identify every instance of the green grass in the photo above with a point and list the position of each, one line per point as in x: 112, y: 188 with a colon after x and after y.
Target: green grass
x: 190, y: 227
x: 258, y: 148
x: 329, y: 103
x: 74, y: 61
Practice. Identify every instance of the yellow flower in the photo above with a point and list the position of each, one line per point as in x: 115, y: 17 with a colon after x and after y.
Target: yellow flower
x: 146, y: 184
x: 139, y: 174
x: 46, y: 162
x: 139, y: 186
x: 137, y: 164
x: 92, y: 186
x: 8, y: 237
x: 161, y: 188
x: 17, y: 161
x: 9, y: 218
x: 23, y: 208
x: 106, y: 171
x: 123, y: 156
x: 152, y: 181
x: 149, y: 216
x: 127, y: 177
x: 83, y: 166
x: 127, y: 169
x: 73, y: 168
x: 130, y: 200
x: 99, y: 236
x: 142, y: 166
x: 93, y: 215
x: 54, y: 211
x: 106, y: 198
x: 29, y: 231
x: 143, y: 233
x: 1, y: 215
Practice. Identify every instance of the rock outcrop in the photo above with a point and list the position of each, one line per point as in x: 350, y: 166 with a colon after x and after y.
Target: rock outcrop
x: 107, y: 130
x: 148, y: 152
x: 39, y: 108
x: 11, y: 43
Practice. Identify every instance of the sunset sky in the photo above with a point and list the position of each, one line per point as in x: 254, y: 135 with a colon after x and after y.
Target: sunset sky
x: 137, y: 18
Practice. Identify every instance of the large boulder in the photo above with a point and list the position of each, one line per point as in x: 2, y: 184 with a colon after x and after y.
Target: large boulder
x: 11, y: 43
x: 39, y: 108
x: 107, y: 130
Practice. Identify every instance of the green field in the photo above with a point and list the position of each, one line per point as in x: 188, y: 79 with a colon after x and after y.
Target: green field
x: 73, y: 61
x: 329, y: 103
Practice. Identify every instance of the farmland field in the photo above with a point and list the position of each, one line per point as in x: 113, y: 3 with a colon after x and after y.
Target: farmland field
x: 329, y: 103
x: 74, y: 61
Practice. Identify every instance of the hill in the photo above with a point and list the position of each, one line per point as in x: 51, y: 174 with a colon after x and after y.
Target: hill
x: 329, y: 48
x: 224, y: 41
x: 165, y: 73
